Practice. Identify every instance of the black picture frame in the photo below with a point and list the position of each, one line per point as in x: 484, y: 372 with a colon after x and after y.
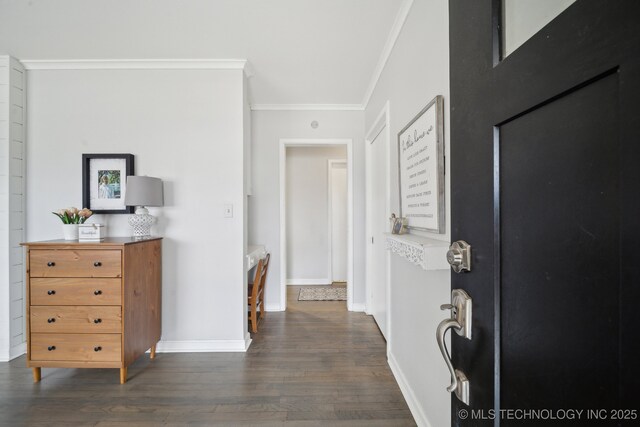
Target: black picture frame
x: 87, y: 160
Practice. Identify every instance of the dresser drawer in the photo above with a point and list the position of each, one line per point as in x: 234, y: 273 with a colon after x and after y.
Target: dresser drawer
x: 61, y: 291
x: 75, y: 263
x: 76, y: 347
x: 76, y: 319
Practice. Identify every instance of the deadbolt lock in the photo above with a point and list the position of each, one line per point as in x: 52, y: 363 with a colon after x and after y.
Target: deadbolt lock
x: 459, y: 256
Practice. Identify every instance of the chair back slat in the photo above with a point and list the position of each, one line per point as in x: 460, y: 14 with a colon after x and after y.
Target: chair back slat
x: 257, y: 293
x: 263, y: 273
x: 257, y: 279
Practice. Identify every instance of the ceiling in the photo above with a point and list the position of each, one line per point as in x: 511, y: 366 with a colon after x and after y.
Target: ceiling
x: 300, y: 51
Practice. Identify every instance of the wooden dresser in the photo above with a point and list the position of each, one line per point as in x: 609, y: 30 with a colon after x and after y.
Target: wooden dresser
x: 94, y: 304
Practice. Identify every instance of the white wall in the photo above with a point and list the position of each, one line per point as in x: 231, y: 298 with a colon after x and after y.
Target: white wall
x: 417, y: 71
x: 246, y: 142
x: 306, y: 213
x: 183, y: 126
x: 12, y: 168
x: 268, y: 127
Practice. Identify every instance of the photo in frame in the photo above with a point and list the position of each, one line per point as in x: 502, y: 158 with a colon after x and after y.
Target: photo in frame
x: 104, y: 182
x: 399, y: 226
x: 421, y: 169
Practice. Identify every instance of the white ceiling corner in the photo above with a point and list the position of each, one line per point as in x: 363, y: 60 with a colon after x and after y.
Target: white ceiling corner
x: 398, y: 23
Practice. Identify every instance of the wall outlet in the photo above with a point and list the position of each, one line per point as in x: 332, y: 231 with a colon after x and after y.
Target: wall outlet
x: 228, y: 211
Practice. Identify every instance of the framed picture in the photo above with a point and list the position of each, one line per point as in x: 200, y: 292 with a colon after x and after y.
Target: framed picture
x: 398, y: 226
x: 421, y: 169
x: 104, y: 182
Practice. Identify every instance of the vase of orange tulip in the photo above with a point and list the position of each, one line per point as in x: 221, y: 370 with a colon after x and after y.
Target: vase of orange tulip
x: 70, y: 218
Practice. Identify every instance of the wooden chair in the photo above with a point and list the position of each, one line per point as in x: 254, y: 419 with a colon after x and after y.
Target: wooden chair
x: 256, y: 293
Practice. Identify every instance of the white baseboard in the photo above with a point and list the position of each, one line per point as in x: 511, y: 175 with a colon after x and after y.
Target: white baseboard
x: 7, y: 355
x: 204, y: 346
x: 407, y: 392
x: 358, y: 306
x: 17, y: 350
x: 304, y: 282
x: 273, y: 307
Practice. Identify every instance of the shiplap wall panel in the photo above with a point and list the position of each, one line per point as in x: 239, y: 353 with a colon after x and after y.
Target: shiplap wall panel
x: 16, y: 132
x: 12, y: 207
x: 15, y: 150
x: 17, y: 200
x: 16, y: 292
x: 16, y: 75
x: 16, y: 185
x: 5, y: 264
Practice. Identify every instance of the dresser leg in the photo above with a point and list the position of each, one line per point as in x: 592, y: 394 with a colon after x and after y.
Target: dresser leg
x: 37, y: 374
x: 152, y: 354
x: 123, y: 375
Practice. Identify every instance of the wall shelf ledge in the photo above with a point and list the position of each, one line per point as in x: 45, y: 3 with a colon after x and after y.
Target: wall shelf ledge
x: 427, y: 253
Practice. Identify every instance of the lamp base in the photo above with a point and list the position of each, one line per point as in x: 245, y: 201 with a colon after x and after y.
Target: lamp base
x: 141, y: 222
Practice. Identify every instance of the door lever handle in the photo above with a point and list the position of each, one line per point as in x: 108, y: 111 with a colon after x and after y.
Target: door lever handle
x: 443, y: 327
x: 459, y: 321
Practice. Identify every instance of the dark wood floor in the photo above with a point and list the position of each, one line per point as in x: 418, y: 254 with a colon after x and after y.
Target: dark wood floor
x: 316, y: 364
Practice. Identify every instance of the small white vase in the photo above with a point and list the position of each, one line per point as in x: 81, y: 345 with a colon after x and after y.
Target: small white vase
x: 70, y: 231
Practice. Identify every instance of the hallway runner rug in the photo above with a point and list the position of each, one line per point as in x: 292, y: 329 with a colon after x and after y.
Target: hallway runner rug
x: 323, y: 293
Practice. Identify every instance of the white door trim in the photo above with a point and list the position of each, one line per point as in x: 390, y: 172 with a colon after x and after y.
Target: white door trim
x: 330, y: 164
x: 382, y: 123
x: 304, y: 142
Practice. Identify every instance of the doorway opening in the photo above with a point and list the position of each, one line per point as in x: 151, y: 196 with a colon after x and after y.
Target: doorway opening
x: 316, y: 215
x: 337, y: 219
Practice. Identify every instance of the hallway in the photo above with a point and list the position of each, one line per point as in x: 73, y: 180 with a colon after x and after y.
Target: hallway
x: 316, y: 364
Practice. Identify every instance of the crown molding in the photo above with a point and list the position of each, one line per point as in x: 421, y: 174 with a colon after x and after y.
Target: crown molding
x: 396, y: 28
x: 307, y: 107
x: 138, y: 64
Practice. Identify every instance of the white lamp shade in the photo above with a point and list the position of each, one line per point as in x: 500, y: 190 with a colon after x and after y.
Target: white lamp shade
x: 144, y: 191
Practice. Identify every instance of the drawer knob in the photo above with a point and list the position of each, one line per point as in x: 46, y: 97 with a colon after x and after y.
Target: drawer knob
x: 97, y: 292
x: 96, y: 349
x: 97, y: 264
x: 97, y: 320
x: 51, y: 320
x: 51, y: 292
x: 51, y: 264
x: 51, y: 347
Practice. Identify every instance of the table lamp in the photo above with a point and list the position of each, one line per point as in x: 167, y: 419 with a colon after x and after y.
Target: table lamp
x: 143, y: 191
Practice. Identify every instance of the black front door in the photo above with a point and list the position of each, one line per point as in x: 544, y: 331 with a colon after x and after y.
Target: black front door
x: 545, y: 164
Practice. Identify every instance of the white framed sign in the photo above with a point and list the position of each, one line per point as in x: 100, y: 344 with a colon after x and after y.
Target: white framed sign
x: 421, y: 169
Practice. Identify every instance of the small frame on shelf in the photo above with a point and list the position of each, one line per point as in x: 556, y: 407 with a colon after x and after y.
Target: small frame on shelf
x: 399, y: 226
x: 421, y: 169
x: 104, y: 182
